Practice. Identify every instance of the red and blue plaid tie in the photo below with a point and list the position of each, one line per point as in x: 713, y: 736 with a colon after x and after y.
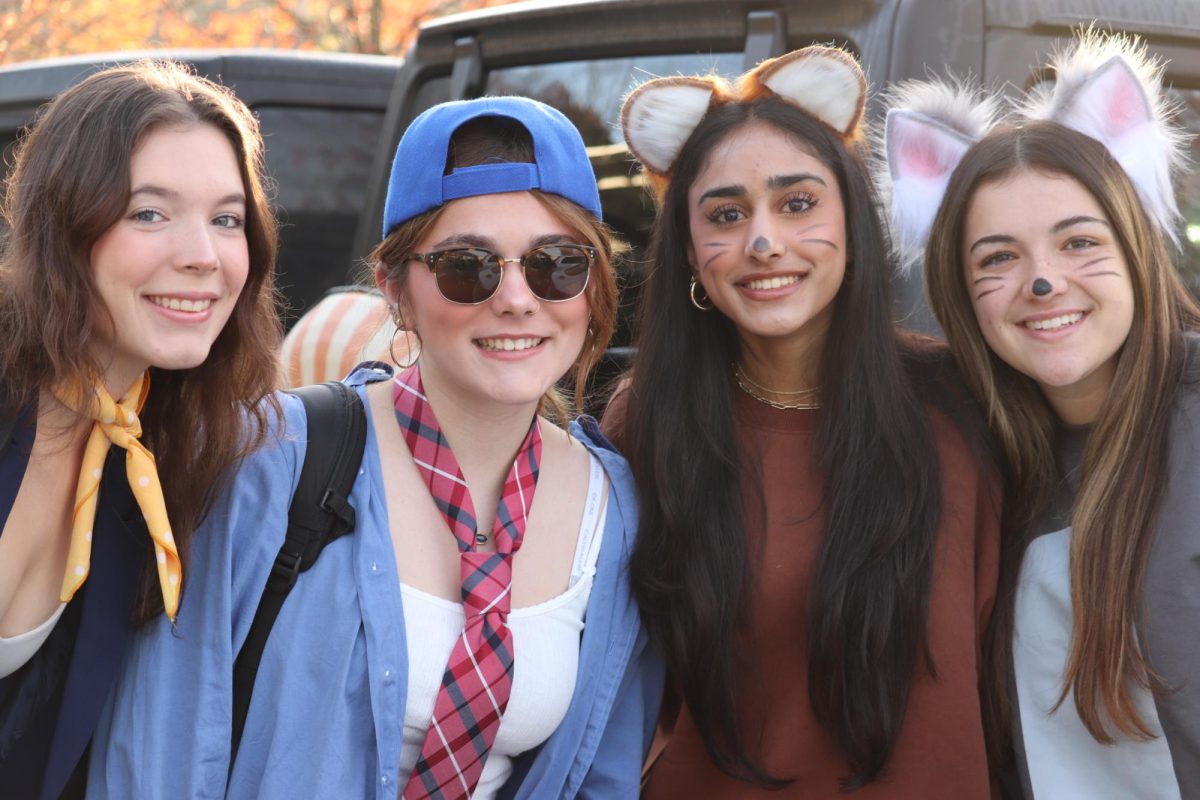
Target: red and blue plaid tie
x: 478, y: 678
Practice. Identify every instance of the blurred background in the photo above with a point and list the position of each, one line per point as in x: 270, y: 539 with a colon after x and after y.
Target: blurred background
x: 335, y: 82
x: 41, y: 28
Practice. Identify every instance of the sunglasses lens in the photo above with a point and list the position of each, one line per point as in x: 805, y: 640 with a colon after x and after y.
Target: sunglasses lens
x: 466, y: 276
x: 557, y: 272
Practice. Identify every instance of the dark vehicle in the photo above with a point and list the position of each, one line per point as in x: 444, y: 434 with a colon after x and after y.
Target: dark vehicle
x: 583, y: 56
x: 321, y: 118
x: 332, y: 122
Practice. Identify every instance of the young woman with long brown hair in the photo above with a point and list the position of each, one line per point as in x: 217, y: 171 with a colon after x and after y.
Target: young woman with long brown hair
x: 136, y: 310
x: 1048, y: 268
x: 818, y: 544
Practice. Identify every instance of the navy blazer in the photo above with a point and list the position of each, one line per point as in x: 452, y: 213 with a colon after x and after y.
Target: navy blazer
x: 46, y: 752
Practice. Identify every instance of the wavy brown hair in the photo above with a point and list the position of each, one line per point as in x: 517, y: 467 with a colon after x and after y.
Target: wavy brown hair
x: 70, y: 182
x: 498, y: 139
x: 1125, y: 471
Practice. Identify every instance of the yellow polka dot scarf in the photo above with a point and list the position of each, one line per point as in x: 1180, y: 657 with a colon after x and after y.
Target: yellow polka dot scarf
x: 117, y: 423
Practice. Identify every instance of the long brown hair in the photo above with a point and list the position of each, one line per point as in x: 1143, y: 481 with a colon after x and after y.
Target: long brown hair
x: 498, y: 139
x: 69, y: 184
x: 1125, y: 460
x: 693, y: 570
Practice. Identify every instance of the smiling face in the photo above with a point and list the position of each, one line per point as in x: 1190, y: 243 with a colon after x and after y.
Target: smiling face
x: 1067, y: 335
x: 768, y: 238
x: 169, y: 272
x: 513, y: 347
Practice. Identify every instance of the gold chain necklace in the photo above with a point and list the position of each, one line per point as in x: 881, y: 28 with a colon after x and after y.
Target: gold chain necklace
x: 754, y: 390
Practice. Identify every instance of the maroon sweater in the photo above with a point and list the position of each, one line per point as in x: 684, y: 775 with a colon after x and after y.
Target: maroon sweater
x: 940, y: 752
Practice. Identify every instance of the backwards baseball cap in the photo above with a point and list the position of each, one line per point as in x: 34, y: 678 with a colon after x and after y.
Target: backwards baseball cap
x: 418, y: 183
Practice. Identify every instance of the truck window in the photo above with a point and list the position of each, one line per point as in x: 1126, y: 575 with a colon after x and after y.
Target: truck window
x: 592, y: 91
x: 319, y: 160
x: 590, y: 94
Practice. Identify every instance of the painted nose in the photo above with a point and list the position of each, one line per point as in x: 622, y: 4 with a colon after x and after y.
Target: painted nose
x: 764, y: 243
x: 1043, y: 280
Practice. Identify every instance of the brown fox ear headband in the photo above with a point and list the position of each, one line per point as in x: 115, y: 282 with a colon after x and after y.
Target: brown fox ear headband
x: 659, y: 116
x: 1106, y: 87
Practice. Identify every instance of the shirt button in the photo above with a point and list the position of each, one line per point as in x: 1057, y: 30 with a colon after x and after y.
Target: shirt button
x: 374, y: 567
x: 384, y: 780
x: 387, y: 673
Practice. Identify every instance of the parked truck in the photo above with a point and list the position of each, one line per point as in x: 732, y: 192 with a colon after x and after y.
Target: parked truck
x: 332, y: 122
x: 583, y: 56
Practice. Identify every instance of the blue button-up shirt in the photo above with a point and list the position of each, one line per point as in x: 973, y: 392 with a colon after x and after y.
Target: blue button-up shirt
x: 326, y: 717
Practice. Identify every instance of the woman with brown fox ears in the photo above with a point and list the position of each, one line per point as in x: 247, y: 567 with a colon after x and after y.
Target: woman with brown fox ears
x: 818, y: 545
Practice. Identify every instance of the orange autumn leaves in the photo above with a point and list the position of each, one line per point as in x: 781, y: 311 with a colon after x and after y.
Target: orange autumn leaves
x: 32, y: 29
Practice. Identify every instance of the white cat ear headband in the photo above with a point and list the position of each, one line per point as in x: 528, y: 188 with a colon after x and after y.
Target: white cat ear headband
x: 1106, y: 87
x: 930, y: 126
x: 1110, y: 89
x: 659, y: 116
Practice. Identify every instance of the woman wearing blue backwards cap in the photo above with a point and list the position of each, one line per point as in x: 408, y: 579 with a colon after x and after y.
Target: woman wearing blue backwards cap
x: 476, y: 635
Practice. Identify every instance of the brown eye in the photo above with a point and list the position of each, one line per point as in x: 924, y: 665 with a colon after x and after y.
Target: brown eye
x: 994, y: 259
x: 725, y: 215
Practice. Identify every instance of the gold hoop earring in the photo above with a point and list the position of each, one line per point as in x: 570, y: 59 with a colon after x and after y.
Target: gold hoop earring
x: 411, y: 349
x: 699, y: 302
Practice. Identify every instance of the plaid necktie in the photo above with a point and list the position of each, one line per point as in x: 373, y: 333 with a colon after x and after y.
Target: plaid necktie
x: 478, y: 678
x: 117, y: 423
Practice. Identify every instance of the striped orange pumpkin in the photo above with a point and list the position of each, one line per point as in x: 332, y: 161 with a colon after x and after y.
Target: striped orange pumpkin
x: 348, y: 325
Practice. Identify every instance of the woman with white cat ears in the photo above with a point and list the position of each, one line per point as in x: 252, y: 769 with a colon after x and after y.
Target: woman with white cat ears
x: 1048, y: 265
x: 817, y: 543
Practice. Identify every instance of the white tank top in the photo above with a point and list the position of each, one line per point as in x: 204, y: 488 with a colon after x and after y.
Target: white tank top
x: 545, y: 639
x: 16, y: 650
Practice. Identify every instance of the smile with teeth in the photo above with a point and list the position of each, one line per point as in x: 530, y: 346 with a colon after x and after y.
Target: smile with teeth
x: 1054, y: 323
x: 508, y: 344
x: 175, y: 304
x: 773, y: 283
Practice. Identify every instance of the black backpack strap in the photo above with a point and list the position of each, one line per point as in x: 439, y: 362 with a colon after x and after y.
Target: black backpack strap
x: 320, y: 512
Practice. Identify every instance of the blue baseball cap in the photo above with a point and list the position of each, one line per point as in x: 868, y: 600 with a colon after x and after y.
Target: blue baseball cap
x: 418, y: 184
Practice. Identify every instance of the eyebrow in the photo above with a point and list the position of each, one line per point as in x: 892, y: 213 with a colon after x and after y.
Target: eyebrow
x: 736, y: 190
x: 1080, y: 219
x: 551, y: 238
x: 1059, y: 227
x: 488, y: 243
x: 783, y: 181
x: 465, y: 240
x: 170, y: 194
x: 774, y: 183
x: 997, y: 238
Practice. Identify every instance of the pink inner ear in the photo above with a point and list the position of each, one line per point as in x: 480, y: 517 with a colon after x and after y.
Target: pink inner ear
x: 921, y: 159
x: 1125, y: 108
x: 1113, y: 98
x: 922, y: 150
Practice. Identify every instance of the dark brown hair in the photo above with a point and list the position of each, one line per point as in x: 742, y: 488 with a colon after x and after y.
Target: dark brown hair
x: 498, y: 139
x: 1125, y: 460
x: 70, y: 182
x: 692, y: 568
